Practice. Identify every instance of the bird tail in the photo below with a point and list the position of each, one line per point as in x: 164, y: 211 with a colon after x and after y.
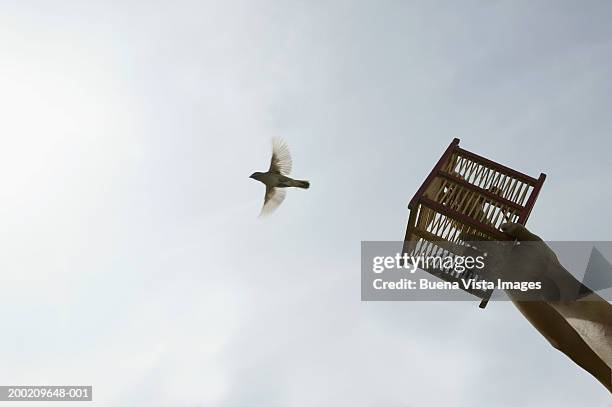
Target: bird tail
x: 301, y: 184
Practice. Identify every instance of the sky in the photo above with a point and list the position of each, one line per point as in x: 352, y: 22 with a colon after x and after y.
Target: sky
x: 134, y: 260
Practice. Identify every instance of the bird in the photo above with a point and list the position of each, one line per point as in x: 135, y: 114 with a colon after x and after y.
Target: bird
x: 276, y: 179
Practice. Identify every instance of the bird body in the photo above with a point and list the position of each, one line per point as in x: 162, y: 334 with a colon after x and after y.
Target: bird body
x: 274, y: 180
x: 277, y: 177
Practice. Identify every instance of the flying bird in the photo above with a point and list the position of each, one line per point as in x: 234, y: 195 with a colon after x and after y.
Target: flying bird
x: 276, y: 178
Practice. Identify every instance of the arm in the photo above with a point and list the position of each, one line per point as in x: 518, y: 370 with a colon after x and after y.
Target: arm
x: 582, y: 329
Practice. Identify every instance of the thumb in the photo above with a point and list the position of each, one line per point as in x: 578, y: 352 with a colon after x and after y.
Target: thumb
x: 519, y: 232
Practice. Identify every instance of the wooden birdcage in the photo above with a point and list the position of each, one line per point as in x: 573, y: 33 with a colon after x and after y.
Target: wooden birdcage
x: 466, y: 195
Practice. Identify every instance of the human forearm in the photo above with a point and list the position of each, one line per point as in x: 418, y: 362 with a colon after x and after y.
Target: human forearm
x: 580, y: 329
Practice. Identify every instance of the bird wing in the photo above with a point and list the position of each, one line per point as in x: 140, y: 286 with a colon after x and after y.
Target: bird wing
x: 281, y: 158
x: 274, y: 197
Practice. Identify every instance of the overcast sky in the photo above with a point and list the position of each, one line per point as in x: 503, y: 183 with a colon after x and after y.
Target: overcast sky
x: 132, y: 256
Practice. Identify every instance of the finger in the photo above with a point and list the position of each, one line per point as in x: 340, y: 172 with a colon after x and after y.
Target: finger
x: 521, y: 233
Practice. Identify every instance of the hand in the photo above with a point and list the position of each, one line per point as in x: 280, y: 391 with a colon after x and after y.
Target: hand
x: 531, y: 259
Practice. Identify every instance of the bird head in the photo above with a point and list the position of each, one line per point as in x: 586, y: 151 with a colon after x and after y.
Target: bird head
x: 255, y: 175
